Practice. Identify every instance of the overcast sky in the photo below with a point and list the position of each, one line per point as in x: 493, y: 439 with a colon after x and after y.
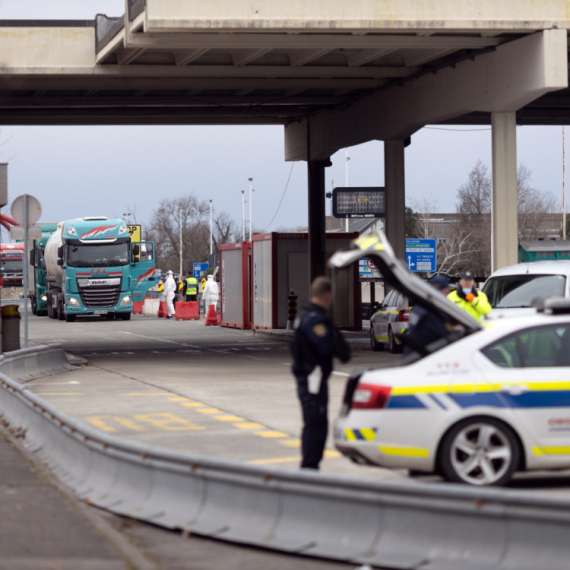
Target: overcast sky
x: 85, y: 171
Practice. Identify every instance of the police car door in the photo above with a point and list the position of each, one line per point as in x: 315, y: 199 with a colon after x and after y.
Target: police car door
x: 529, y: 372
x: 382, y: 319
x: 142, y: 268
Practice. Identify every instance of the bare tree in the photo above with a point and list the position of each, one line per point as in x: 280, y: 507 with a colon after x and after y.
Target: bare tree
x: 534, y: 207
x: 424, y: 209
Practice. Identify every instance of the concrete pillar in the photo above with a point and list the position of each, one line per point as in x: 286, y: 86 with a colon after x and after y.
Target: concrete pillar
x: 505, y: 240
x: 317, y: 224
x: 394, y: 181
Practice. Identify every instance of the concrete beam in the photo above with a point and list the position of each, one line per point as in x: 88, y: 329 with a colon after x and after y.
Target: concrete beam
x: 304, y: 41
x: 185, y: 57
x: 361, y: 57
x: 510, y: 77
x: 505, y: 190
x: 304, y: 56
x: 245, y: 56
x: 382, y: 15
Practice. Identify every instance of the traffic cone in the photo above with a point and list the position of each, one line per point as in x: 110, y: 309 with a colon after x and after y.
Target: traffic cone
x: 211, y: 317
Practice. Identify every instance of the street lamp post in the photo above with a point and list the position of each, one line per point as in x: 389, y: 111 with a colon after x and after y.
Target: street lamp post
x: 243, y: 215
x: 346, y: 176
x: 180, y: 227
x: 126, y: 217
x: 250, y: 208
x: 211, y: 236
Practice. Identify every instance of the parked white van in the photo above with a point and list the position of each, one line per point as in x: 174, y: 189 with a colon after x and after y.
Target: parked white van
x: 513, y: 290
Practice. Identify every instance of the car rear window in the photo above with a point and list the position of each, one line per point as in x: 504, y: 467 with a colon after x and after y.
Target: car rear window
x: 519, y: 291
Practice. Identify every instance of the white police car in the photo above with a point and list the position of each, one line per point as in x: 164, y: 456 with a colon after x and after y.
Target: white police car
x: 388, y: 322
x: 476, y: 408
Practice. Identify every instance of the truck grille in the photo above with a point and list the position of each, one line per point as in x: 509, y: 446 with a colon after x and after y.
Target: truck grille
x: 100, y: 297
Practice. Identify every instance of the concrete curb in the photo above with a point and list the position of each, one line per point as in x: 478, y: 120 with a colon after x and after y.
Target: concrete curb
x: 29, y: 363
x: 391, y: 524
x: 287, y: 336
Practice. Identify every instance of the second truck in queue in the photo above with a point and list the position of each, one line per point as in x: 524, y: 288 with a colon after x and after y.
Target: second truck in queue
x: 93, y: 268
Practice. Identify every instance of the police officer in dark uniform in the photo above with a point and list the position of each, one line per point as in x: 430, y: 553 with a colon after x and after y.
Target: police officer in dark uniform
x: 316, y: 341
x: 426, y: 327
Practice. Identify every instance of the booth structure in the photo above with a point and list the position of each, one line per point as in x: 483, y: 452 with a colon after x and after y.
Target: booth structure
x: 256, y: 277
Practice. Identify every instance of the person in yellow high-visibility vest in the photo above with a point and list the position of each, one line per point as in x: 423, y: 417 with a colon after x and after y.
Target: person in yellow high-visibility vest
x: 191, y: 287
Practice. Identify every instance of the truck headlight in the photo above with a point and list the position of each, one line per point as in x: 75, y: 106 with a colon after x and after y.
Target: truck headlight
x: 126, y: 300
x: 43, y: 297
x: 72, y: 301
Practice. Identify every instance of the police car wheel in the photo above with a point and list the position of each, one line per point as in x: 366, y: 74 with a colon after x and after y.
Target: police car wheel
x: 394, y: 348
x: 374, y: 344
x: 479, y: 451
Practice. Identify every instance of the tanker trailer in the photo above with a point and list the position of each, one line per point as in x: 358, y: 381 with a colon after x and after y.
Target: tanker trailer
x: 93, y: 268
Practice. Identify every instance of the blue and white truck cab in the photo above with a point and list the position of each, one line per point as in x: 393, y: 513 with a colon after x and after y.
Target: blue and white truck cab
x: 93, y: 268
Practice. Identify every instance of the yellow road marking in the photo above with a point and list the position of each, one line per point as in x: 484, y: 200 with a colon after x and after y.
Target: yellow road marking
x: 291, y: 442
x: 329, y: 454
x: 194, y: 405
x: 209, y: 411
x: 59, y: 393
x: 168, y: 422
x: 147, y: 394
x: 179, y: 399
x: 248, y: 425
x: 270, y: 433
x: 229, y: 418
x: 102, y: 422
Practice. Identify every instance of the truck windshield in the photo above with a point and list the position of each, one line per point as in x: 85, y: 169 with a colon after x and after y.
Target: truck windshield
x: 12, y: 267
x: 98, y: 255
x: 519, y: 291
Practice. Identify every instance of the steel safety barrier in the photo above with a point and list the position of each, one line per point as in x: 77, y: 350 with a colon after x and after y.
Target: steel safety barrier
x: 392, y: 524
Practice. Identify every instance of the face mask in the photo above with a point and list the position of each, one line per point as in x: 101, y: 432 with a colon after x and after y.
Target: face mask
x: 466, y: 290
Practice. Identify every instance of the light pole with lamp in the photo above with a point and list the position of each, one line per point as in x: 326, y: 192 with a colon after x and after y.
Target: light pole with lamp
x: 243, y: 215
x: 250, y: 208
x: 347, y: 158
x: 126, y: 217
x: 180, y: 227
x: 211, y: 236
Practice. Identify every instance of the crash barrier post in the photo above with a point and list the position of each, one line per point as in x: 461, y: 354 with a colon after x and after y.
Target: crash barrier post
x: 10, y: 328
x: 291, y: 309
x: 187, y: 311
x: 211, y: 316
x: 150, y: 307
x: 162, y: 310
x: 34, y: 362
x: 138, y: 307
x: 389, y: 524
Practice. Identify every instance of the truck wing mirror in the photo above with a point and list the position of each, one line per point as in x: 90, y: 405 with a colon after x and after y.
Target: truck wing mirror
x: 60, y: 261
x: 136, y: 249
x: 60, y: 252
x: 32, y: 258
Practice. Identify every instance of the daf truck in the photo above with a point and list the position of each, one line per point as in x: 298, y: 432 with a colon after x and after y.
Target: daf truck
x: 93, y: 268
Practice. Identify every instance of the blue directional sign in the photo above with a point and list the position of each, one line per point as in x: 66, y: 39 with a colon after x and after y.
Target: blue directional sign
x: 421, y: 254
x: 199, y: 268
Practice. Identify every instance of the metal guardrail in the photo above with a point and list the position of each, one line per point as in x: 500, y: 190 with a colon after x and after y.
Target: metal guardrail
x: 390, y: 524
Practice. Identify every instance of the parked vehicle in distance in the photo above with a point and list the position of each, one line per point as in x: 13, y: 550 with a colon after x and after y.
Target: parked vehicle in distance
x: 490, y: 400
x: 12, y: 258
x: 93, y: 268
x: 37, y: 277
x: 388, y: 321
x: 515, y: 290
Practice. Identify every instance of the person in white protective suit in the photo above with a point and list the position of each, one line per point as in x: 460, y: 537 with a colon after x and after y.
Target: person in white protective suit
x: 210, y: 293
x: 170, y: 292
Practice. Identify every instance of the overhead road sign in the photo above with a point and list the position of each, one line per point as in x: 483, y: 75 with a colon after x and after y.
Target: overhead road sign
x: 199, y: 268
x: 359, y: 202
x: 421, y: 255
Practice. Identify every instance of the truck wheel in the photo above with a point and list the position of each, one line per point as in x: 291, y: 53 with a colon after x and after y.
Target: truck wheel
x: 110, y: 316
x: 60, y: 313
x: 34, y: 306
x: 126, y: 316
x: 69, y: 318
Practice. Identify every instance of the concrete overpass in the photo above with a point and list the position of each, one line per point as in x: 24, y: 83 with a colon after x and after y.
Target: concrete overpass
x: 335, y: 74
